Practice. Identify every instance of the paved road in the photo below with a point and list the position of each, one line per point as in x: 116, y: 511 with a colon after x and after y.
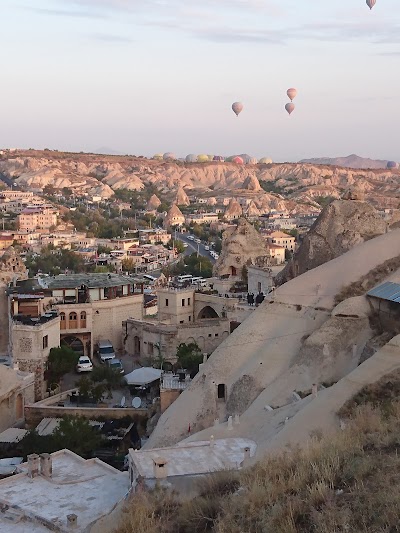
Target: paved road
x: 193, y: 247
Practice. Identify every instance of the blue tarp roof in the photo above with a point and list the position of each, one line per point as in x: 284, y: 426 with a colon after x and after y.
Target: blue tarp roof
x: 387, y: 291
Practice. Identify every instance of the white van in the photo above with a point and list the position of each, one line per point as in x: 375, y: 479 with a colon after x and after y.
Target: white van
x: 106, y: 351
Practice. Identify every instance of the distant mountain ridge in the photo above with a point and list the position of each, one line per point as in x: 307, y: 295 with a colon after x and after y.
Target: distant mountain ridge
x: 350, y: 161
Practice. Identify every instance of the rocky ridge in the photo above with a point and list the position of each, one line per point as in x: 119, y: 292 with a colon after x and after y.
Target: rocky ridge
x: 286, y: 185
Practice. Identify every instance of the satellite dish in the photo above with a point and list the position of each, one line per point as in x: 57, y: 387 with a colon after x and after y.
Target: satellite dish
x: 136, y: 402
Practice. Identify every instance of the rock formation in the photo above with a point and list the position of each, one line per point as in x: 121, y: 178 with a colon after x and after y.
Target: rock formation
x: 293, y: 186
x: 241, y: 246
x: 181, y: 197
x: 251, y: 183
x: 342, y: 225
x: 174, y: 217
x: 233, y: 210
x: 252, y: 210
x: 153, y: 203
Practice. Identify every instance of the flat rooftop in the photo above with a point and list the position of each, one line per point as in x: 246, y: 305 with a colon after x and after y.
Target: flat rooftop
x: 193, y: 458
x: 88, y: 488
x: 92, y: 281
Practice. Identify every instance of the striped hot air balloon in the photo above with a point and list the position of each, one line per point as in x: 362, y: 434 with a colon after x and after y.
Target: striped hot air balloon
x: 371, y: 3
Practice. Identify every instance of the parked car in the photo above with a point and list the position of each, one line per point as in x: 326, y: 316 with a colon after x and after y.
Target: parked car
x: 106, y: 351
x: 206, y: 247
x: 84, y: 364
x: 115, y: 364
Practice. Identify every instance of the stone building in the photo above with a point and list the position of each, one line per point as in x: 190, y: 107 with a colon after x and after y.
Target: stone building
x: 184, y: 316
x: 259, y: 279
x: 91, y: 307
x: 16, y: 390
x: 241, y: 246
x: 282, y: 239
x: 32, y: 218
x: 31, y: 342
x: 12, y: 268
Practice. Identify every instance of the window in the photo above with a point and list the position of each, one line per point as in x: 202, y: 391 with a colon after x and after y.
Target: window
x: 181, y: 322
x: 83, y: 315
x: 166, y: 302
x: 62, y: 317
x: 221, y: 391
x: 210, y: 334
x: 183, y: 302
x: 150, y: 348
x: 45, y: 341
x: 216, y: 334
x: 190, y: 318
x: 188, y: 301
x: 73, y: 316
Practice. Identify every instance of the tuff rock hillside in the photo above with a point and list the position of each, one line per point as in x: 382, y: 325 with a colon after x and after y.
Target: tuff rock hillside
x: 341, y: 225
x: 287, y: 185
x: 241, y: 246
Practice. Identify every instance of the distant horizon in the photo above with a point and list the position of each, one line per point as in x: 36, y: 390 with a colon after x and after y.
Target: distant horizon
x: 110, y: 151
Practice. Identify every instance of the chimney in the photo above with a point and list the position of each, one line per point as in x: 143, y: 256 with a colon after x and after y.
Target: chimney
x: 46, y: 465
x: 160, y: 468
x: 72, y: 521
x: 33, y: 465
x: 314, y: 390
x: 246, y: 456
x: 212, y: 441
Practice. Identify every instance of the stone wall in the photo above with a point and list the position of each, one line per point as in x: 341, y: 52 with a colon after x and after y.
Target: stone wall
x: 4, y: 326
x: 35, y: 413
x: 108, y: 316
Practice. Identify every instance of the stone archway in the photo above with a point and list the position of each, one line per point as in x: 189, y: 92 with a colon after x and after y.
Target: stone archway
x: 73, y: 342
x: 19, y: 407
x: 207, y: 312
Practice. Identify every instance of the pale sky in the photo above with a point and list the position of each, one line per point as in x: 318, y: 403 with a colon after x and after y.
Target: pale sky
x: 148, y: 76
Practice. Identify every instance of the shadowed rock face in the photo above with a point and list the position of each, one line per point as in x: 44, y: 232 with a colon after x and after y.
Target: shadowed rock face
x: 342, y: 225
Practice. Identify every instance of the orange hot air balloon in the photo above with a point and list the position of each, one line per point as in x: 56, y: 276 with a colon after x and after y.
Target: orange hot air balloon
x: 292, y: 93
x: 290, y: 108
x: 237, y: 108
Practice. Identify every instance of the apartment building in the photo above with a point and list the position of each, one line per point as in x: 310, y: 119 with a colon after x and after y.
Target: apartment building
x: 33, y: 218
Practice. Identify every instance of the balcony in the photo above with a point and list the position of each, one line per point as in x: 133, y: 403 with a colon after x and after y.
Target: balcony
x: 27, y: 320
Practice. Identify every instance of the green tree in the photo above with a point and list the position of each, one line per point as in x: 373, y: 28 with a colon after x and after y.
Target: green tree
x: 76, y: 434
x: 189, y: 357
x: 61, y: 361
x: 198, y: 266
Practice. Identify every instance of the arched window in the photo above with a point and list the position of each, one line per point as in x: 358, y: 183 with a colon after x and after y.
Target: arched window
x: 73, y: 316
x: 83, y: 319
x: 62, y: 317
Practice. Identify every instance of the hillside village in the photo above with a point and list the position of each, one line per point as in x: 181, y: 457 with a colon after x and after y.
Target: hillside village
x: 161, y: 321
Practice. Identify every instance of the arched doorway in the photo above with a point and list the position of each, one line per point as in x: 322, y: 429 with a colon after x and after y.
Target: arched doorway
x: 19, y: 407
x: 136, y: 345
x: 207, y: 312
x: 74, y: 343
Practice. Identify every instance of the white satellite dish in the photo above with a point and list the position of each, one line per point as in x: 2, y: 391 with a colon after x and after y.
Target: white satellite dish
x: 136, y: 402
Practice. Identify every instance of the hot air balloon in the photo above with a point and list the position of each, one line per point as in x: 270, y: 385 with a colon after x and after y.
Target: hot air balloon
x: 371, y: 3
x: 238, y: 160
x: 392, y: 164
x: 191, y: 158
x: 265, y: 161
x: 218, y: 158
x: 246, y: 158
x: 252, y: 161
x: 289, y: 108
x: 292, y: 93
x: 202, y: 158
x: 169, y: 156
x: 158, y: 157
x: 237, y: 108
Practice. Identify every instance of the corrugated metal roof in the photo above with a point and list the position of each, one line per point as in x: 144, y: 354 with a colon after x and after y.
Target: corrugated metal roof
x: 387, y: 291
x: 13, y: 435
